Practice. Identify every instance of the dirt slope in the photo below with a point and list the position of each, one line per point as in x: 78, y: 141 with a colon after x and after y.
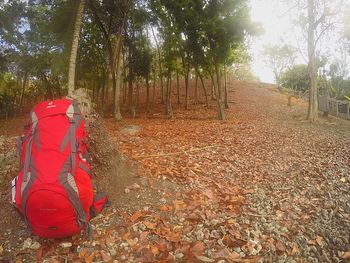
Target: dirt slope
x: 263, y: 186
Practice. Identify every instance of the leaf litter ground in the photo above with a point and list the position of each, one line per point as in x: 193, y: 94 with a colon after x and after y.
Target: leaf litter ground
x: 263, y: 186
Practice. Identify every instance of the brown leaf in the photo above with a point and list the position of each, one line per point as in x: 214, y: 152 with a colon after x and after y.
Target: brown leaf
x: 205, y: 259
x: 346, y: 255
x: 179, y: 204
x: 137, y: 215
x: 150, y: 225
x: 198, y: 248
x: 234, y: 256
x: 280, y: 246
x: 223, y: 253
x: 105, y: 257
x: 319, y: 241
x: 39, y: 253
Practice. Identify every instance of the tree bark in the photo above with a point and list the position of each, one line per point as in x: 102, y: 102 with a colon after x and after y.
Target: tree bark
x: 74, y: 50
x: 312, y: 70
x: 178, y: 87
x: 196, y: 89
x: 119, y: 81
x: 226, y: 90
x: 203, y: 86
x: 160, y: 66
x: 147, y: 94
x: 24, y: 84
x: 221, y: 110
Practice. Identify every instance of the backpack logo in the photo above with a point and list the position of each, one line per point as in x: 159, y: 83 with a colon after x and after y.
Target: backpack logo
x: 50, y: 105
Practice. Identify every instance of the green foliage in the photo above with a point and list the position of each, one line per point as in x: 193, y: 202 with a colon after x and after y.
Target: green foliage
x: 279, y: 59
x: 296, y: 78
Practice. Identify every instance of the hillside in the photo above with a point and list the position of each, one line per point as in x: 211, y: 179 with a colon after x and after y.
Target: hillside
x: 262, y: 186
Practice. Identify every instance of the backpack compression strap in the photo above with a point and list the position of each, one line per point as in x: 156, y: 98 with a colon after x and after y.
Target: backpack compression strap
x: 66, y: 177
x: 29, y: 170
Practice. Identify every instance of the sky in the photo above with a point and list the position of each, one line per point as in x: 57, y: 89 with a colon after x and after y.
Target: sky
x: 274, y: 17
x: 276, y: 30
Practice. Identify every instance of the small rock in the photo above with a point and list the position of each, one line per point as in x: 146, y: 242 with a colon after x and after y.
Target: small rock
x: 127, y: 190
x: 136, y: 186
x: 199, y: 235
x: 113, y: 252
x: 27, y: 243
x: 123, y: 258
x: 214, y: 222
x: 179, y: 255
x: 65, y: 244
x: 35, y: 245
x: 222, y: 261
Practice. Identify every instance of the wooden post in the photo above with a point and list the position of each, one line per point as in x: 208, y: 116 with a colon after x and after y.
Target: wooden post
x: 337, y: 105
x: 348, y: 115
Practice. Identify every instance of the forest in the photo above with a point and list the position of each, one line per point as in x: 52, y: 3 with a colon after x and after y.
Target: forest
x: 202, y: 155
x: 126, y: 48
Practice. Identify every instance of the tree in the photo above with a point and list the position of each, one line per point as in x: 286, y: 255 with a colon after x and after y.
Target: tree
x: 296, y: 78
x: 279, y: 59
x: 317, y: 18
x: 74, y: 49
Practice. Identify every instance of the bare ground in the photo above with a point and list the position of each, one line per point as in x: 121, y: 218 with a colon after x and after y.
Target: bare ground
x: 263, y: 186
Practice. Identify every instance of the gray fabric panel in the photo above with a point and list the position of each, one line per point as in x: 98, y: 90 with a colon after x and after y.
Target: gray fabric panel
x: 33, y: 176
x: 71, y: 182
x: 70, y: 112
x: 27, y: 157
x: 72, y: 194
x: 76, y: 107
x: 65, y: 141
x: 85, y: 169
x: 37, y: 139
x: 73, y: 148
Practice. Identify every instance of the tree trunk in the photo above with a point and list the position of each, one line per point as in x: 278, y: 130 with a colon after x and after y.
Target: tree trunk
x: 196, y: 89
x: 178, y: 87
x: 24, y: 84
x: 203, y: 86
x: 313, y: 103
x: 187, y: 90
x: 221, y: 110
x: 160, y: 67
x: 119, y: 81
x: 226, y: 89
x: 213, y: 86
x: 168, y: 107
x: 154, y: 87
x: 74, y: 50
x: 147, y: 94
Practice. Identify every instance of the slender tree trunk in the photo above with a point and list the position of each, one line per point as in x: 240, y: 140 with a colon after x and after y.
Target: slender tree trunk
x: 74, y: 50
x: 196, y: 89
x: 213, y: 86
x: 154, y: 87
x: 221, y: 109
x: 168, y: 107
x: 313, y: 103
x: 178, y: 87
x: 203, y: 86
x: 160, y: 66
x: 119, y: 81
x: 226, y: 89
x: 147, y: 94
x: 24, y: 84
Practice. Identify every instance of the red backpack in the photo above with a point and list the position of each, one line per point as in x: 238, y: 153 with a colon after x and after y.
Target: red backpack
x: 54, y: 191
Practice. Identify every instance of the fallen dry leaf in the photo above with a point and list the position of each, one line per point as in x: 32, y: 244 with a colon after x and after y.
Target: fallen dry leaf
x: 345, y: 255
x: 205, y: 259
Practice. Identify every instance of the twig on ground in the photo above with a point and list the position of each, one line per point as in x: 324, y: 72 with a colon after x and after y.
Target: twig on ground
x: 175, y: 153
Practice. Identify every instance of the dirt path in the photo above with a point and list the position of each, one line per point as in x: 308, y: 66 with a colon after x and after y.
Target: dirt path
x: 263, y: 186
